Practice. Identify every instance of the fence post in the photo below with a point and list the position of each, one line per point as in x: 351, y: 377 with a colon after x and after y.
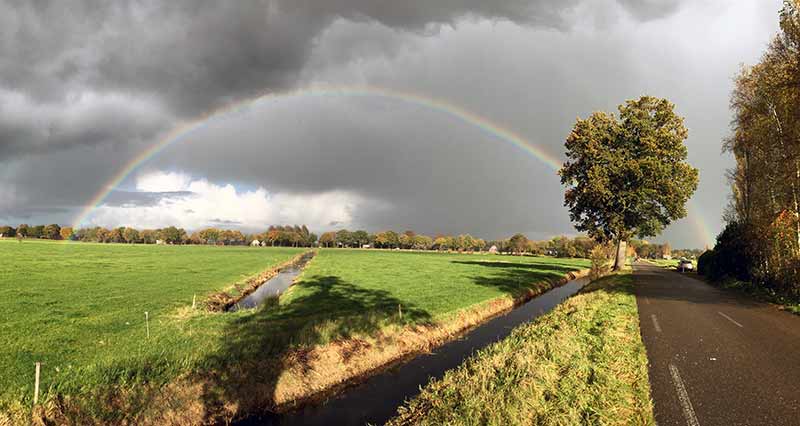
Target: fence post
x: 147, y: 323
x: 36, y: 384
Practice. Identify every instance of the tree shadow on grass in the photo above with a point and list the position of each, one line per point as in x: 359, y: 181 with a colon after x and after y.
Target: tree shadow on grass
x: 543, y: 267
x: 516, y: 279
x: 260, y: 347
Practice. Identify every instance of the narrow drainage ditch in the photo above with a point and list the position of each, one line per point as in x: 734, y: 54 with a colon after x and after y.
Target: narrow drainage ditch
x: 376, y: 400
x: 274, y: 286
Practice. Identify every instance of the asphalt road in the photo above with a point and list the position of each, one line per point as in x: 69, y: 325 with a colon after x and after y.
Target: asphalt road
x: 715, y: 357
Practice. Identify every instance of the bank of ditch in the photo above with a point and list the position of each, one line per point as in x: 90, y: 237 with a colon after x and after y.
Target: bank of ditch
x: 583, y: 363
x: 225, y: 299
x: 310, y: 374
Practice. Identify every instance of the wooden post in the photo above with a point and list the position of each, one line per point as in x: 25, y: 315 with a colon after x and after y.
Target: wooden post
x: 400, y: 310
x: 147, y: 323
x: 36, y: 384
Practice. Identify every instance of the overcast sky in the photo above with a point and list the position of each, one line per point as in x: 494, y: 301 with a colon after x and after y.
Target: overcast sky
x: 86, y: 87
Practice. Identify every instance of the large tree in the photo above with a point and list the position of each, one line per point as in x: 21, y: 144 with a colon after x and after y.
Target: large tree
x: 628, y: 176
x: 518, y: 243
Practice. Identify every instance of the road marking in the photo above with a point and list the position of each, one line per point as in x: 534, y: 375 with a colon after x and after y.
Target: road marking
x: 655, y: 323
x: 683, y: 397
x: 730, y: 319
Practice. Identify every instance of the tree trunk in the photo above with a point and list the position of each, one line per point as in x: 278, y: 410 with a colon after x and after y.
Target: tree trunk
x: 619, y: 259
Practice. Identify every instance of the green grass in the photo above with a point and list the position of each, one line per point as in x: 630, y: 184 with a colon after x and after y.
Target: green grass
x: 665, y: 263
x: 429, y: 286
x: 583, y: 363
x: 79, y: 308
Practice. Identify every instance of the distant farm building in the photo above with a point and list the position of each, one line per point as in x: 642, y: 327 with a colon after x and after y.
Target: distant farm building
x: 255, y: 243
x: 160, y: 242
x: 493, y: 249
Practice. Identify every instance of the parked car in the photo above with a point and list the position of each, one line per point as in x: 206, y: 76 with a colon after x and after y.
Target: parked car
x: 685, y: 265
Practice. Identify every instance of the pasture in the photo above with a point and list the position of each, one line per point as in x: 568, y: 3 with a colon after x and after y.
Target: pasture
x: 79, y: 309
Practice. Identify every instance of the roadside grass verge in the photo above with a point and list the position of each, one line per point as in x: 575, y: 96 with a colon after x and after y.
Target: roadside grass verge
x: 583, y: 363
x: 755, y: 292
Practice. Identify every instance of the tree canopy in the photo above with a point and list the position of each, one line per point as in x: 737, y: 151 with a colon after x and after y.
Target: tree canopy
x: 628, y: 176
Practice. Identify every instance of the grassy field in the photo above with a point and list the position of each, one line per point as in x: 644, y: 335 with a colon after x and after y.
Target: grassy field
x: 79, y: 309
x: 583, y: 363
x: 664, y: 263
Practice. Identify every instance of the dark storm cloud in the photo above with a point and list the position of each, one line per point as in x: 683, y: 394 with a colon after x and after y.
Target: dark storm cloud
x: 29, y: 128
x: 87, y: 86
x: 183, y: 58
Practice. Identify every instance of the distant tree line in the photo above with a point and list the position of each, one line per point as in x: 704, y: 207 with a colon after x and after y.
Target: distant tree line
x: 297, y: 236
x: 647, y: 250
x: 286, y: 236
x: 561, y: 246
x: 49, y: 232
x: 300, y: 236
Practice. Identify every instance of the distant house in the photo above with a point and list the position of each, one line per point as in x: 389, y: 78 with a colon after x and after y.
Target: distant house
x: 255, y: 243
x: 493, y: 249
x: 365, y: 246
x: 160, y: 242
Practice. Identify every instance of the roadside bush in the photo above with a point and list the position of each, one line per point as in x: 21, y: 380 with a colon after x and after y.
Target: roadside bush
x: 736, y: 255
x: 601, y: 261
x: 704, y: 262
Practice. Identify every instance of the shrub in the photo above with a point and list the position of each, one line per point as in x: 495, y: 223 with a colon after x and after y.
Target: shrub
x: 737, y: 253
x: 600, y: 257
x: 704, y: 262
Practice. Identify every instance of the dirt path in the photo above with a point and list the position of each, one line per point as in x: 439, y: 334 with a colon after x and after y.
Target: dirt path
x: 715, y: 357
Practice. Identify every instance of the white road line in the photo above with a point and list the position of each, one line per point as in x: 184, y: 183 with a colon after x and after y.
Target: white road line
x: 730, y: 319
x: 683, y: 397
x: 655, y: 323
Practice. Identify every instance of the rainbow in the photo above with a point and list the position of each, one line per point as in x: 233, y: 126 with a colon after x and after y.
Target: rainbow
x: 184, y: 130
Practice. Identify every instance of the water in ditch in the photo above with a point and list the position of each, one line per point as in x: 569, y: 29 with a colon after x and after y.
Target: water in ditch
x: 376, y: 400
x: 273, y: 287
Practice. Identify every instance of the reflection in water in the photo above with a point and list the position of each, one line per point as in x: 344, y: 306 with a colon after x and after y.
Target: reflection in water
x: 272, y: 287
